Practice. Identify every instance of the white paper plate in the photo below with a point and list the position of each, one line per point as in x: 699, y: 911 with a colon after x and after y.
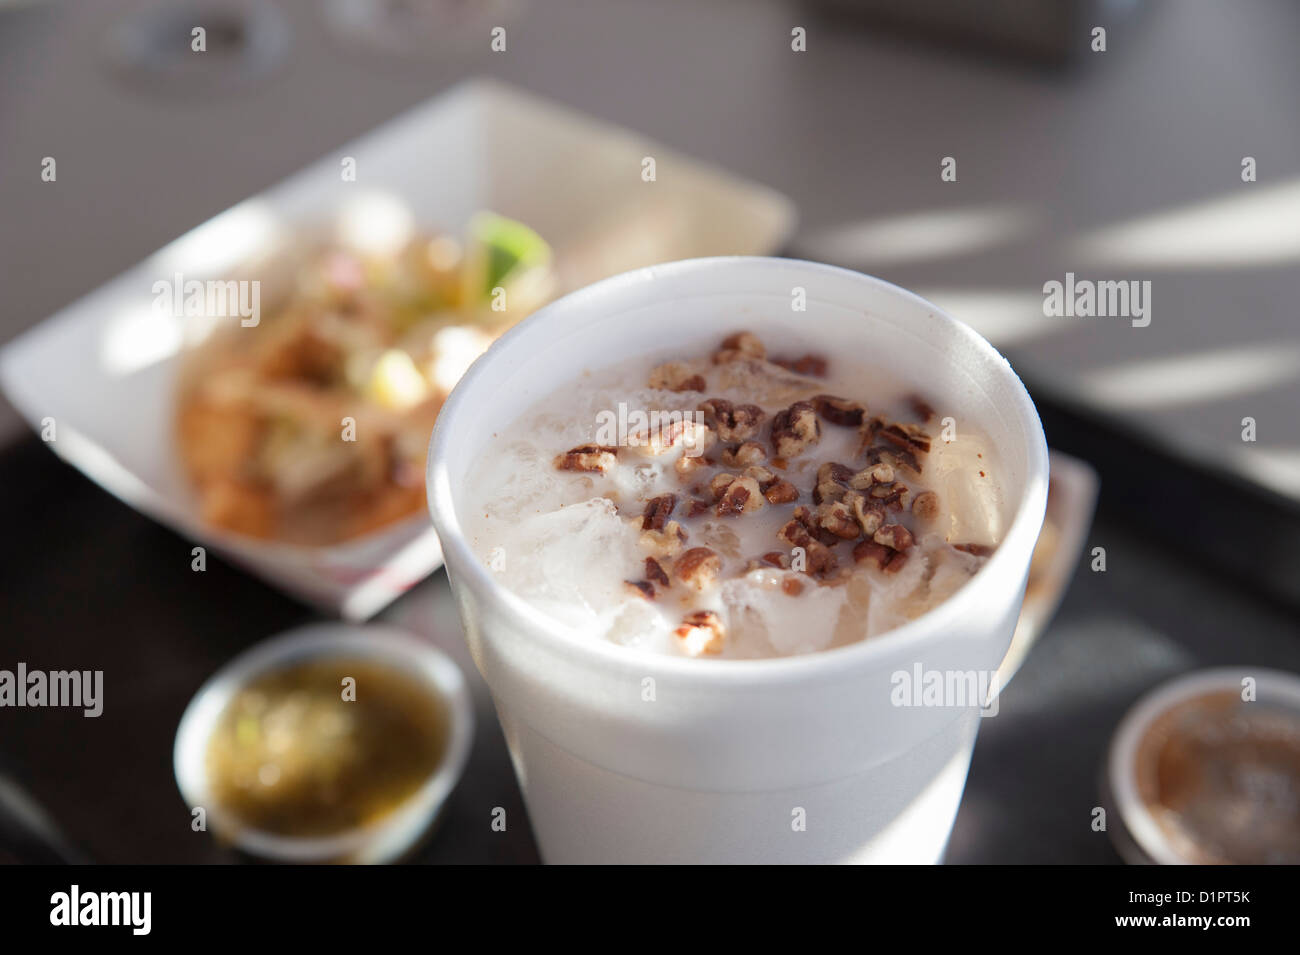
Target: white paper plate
x: 1071, y: 499
x: 102, y: 369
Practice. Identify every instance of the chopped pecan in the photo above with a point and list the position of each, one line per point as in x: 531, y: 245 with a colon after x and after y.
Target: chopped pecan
x: 830, y: 482
x: 870, y: 550
x: 821, y: 561
x: 926, y: 505
x: 698, y: 567
x: 920, y: 407
x: 781, y: 492
x: 741, y: 496
x: 903, y: 443
x: 744, y: 455
x: 831, y: 471
x: 732, y: 422
x: 868, y: 514
x: 701, y: 632
x: 894, y: 536
x: 881, y: 473
x: 666, y: 542
x: 692, y: 436
x: 697, y: 507
x: 812, y: 365
x: 977, y: 550
x: 642, y: 588
x: 792, y: 586
x: 587, y: 457
x: 838, y: 518
x: 795, y: 429
x: 896, y: 458
x: 809, y: 520
x: 867, y: 432
x: 719, y: 483
x: 839, y: 411
x: 657, y: 511
x: 688, y: 464
x: 676, y: 376
x: 890, y: 561
x: 776, y: 559
x: 909, y: 437
x: 655, y: 571
x: 896, y: 496
x: 827, y: 491
x: 740, y: 345
x: 799, y: 532
x: 795, y: 533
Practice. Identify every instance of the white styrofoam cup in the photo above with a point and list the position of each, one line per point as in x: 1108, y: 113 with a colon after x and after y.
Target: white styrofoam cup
x: 629, y: 756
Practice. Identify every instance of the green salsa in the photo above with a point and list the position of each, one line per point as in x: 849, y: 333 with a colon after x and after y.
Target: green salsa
x: 324, y: 746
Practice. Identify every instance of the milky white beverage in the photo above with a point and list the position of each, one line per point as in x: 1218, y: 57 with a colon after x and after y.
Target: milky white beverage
x: 612, y: 504
x: 702, y: 634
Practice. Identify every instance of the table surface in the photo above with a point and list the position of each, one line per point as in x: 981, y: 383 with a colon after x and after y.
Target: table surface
x: 1046, y: 162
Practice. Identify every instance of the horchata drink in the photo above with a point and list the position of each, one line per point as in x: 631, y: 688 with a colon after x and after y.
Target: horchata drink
x: 739, y: 502
x: 716, y: 530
